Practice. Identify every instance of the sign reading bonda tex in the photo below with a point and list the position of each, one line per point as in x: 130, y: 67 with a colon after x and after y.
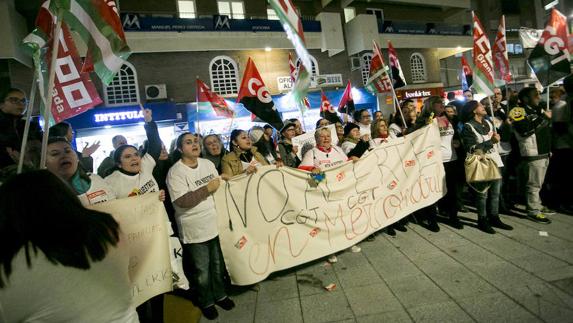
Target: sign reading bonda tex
x: 276, y: 218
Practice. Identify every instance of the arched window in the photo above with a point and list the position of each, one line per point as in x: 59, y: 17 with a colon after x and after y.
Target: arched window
x: 224, y: 75
x: 123, y: 89
x: 314, y: 65
x: 365, y: 69
x: 418, y: 68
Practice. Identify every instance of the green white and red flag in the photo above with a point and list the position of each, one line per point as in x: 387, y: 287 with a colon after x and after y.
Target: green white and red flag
x: 98, y: 24
x: 303, y: 105
x: 483, y: 70
x: 73, y: 92
x: 500, y: 57
x: 292, y: 24
x: 205, y: 97
x: 378, y: 81
x: 291, y: 68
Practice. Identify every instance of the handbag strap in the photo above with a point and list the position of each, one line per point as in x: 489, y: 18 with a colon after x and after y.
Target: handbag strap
x: 479, y: 191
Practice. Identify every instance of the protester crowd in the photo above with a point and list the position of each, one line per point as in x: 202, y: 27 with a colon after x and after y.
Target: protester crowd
x: 529, y: 143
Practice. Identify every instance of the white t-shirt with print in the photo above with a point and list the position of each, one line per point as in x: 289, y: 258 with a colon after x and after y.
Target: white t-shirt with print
x: 197, y: 224
x: 324, y: 160
x: 98, y: 192
x: 132, y: 185
x: 446, y: 137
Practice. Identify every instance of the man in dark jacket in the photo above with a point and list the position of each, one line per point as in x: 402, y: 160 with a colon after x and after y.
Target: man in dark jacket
x: 107, y: 165
x: 531, y: 125
x: 13, y: 104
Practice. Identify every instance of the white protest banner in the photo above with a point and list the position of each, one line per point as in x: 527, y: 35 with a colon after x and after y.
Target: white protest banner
x: 306, y: 141
x: 276, y: 218
x: 145, y: 239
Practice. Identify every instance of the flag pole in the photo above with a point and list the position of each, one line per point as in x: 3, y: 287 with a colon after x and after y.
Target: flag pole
x: 198, y: 129
x: 27, y: 126
x: 547, y: 104
x: 395, y: 98
x: 49, y: 97
x: 397, y: 105
x: 491, y: 110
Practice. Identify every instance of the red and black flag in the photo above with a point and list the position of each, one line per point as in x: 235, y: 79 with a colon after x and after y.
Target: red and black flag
x: 327, y: 110
x: 398, y: 78
x: 346, y: 104
x: 550, y: 58
x: 467, y: 74
x: 256, y: 98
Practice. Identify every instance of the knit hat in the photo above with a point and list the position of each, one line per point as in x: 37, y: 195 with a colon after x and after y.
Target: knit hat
x: 349, y: 126
x: 287, y: 124
x: 256, y: 133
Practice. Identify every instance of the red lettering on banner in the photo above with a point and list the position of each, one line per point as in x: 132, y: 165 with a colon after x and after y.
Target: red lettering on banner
x: 271, y: 253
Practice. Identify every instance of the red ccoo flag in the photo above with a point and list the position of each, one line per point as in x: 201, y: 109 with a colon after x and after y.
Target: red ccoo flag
x: 204, y: 95
x: 500, y: 58
x: 378, y: 80
x: 73, y: 91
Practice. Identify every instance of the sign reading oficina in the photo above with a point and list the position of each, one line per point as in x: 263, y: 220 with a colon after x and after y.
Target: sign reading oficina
x: 285, y: 82
x: 118, y: 116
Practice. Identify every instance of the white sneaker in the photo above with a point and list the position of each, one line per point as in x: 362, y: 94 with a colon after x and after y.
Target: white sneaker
x: 332, y: 259
x: 355, y: 249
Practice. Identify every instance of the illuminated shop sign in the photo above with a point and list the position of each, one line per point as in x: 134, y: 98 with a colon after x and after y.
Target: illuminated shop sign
x: 118, y: 116
x: 416, y: 94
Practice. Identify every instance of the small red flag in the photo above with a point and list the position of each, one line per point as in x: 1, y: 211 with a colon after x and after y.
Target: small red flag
x: 219, y: 105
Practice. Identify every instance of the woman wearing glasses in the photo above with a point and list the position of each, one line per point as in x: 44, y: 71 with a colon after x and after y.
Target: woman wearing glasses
x: 13, y: 104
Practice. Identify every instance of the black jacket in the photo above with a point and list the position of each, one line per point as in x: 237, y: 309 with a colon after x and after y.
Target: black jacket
x: 11, y: 133
x: 532, y: 130
x: 470, y: 139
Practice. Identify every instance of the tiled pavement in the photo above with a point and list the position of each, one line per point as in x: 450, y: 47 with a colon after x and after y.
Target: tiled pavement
x: 451, y: 276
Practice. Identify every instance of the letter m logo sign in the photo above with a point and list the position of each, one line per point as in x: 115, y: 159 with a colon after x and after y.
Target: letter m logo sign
x: 130, y: 22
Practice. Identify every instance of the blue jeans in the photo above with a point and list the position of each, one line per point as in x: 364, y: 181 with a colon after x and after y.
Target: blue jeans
x: 487, y: 203
x: 204, y: 265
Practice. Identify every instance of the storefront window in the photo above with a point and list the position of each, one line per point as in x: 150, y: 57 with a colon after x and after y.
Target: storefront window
x: 224, y: 75
x: 123, y: 89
